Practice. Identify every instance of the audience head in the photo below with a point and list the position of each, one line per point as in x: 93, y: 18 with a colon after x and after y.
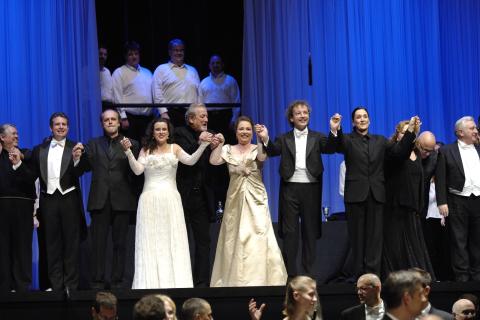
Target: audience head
x: 176, y: 51
x: 301, y: 298
x: 466, y: 130
x: 244, y: 129
x: 426, y: 279
x: 196, y: 309
x: 149, y: 308
x: 131, y: 51
x: 8, y: 135
x: 216, y: 65
x: 59, y: 125
x: 102, y: 55
x: 463, y: 309
x: 369, y: 287
x: 170, y: 307
x: 426, y: 144
x: 471, y: 297
x: 159, y: 131
x: 298, y: 114
x: 105, y: 306
x: 110, y: 120
x: 360, y: 120
x: 403, y: 293
x: 197, y: 117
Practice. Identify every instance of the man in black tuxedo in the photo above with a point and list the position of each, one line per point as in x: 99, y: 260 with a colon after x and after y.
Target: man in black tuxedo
x: 371, y: 305
x: 364, y: 194
x: 301, y: 171
x: 196, y: 192
x: 56, y: 163
x: 112, y: 199
x: 403, y: 295
x: 17, y: 196
x: 458, y: 197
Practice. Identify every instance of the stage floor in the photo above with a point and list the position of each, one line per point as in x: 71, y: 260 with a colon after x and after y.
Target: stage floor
x: 227, y: 303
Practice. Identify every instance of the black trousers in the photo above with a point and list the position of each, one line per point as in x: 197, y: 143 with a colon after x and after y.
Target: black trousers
x: 365, y: 229
x: 16, y: 230
x: 99, y: 230
x: 300, y: 202
x: 464, y: 222
x: 198, y: 225
x: 60, y: 219
x: 437, y: 239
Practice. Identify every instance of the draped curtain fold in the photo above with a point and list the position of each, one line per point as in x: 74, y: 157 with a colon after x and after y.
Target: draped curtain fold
x: 397, y: 58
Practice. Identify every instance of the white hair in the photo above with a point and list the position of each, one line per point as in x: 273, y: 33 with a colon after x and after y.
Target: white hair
x: 460, y: 124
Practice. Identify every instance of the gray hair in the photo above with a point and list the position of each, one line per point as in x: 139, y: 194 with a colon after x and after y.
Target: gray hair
x: 5, y: 126
x: 460, y: 124
x: 192, y: 110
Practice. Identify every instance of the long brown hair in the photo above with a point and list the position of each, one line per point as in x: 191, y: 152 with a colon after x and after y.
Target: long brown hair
x: 148, y: 142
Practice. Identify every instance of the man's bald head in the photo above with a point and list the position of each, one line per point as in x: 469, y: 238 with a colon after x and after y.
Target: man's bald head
x: 462, y: 307
x: 426, y: 143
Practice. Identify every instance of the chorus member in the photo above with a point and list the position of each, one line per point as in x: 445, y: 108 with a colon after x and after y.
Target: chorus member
x: 162, y: 256
x: 458, y: 197
x: 301, y: 171
x: 17, y: 197
x: 404, y: 244
x: 196, y: 189
x: 56, y: 162
x: 132, y: 84
x: 112, y: 199
x: 247, y: 251
x: 106, y: 83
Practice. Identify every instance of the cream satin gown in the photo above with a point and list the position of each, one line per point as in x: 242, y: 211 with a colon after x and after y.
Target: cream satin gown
x: 247, y: 250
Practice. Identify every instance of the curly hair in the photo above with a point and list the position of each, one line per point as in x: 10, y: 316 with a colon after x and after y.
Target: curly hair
x: 148, y: 142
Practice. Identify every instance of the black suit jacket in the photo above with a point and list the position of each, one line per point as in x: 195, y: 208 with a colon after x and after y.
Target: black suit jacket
x: 442, y: 314
x: 69, y: 174
x: 189, y: 177
x: 317, y: 143
x: 364, y: 172
x: 111, y: 175
x: 354, y: 313
x: 429, y: 165
x: 449, y: 172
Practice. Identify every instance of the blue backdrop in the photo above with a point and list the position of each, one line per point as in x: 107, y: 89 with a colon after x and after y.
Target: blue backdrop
x: 398, y: 58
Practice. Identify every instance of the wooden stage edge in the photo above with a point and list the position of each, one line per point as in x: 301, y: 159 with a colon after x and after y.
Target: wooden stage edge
x: 227, y: 303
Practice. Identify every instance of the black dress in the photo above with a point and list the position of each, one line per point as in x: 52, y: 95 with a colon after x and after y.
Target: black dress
x: 404, y: 244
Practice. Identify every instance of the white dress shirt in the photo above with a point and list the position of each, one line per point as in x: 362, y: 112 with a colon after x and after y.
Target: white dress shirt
x: 301, y: 174
x: 433, y: 211
x: 375, y: 313
x: 106, y: 85
x: 471, y: 167
x: 175, y: 84
x: 54, y: 165
x: 132, y: 85
x: 220, y: 89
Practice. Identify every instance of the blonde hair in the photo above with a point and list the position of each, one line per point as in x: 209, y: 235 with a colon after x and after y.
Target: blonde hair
x: 302, y: 284
x: 166, y: 299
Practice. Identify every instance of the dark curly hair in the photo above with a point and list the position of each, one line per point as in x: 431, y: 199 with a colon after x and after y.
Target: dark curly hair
x: 148, y: 142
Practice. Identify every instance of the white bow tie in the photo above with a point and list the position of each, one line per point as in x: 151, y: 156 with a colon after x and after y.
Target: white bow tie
x: 467, y: 146
x: 55, y: 143
x: 300, y: 134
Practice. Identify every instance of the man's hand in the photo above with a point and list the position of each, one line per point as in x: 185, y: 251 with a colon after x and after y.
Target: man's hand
x: 216, y: 140
x: 255, y: 313
x: 443, y: 208
x: 126, y: 144
x: 205, y: 137
x: 262, y: 132
x: 15, y: 156
x: 77, y: 151
x: 125, y: 124
x: 335, y: 122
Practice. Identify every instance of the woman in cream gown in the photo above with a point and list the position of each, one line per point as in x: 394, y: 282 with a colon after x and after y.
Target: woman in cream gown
x: 162, y: 257
x: 247, y: 250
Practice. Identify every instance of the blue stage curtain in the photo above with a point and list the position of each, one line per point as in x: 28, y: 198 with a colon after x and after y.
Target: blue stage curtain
x: 397, y: 58
x: 50, y: 63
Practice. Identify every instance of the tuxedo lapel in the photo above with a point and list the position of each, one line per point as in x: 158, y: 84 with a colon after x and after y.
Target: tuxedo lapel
x: 104, y: 145
x: 290, y: 142
x: 43, y: 161
x: 458, y: 158
x: 66, y: 157
x: 310, y: 144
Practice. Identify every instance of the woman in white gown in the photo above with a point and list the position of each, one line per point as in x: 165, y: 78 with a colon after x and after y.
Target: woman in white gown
x: 162, y: 257
x: 247, y: 250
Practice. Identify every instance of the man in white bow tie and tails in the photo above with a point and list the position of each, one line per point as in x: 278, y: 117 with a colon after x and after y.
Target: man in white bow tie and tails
x: 301, y: 171
x: 458, y: 197
x: 56, y: 163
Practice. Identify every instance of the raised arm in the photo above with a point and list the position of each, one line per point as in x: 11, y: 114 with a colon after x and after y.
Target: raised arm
x: 273, y: 148
x: 137, y: 166
x: 189, y: 159
x: 261, y: 152
x: 216, y: 155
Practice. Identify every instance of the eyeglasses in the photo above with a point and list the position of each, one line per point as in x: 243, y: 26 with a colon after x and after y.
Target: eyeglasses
x: 425, y: 150
x: 364, y: 288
